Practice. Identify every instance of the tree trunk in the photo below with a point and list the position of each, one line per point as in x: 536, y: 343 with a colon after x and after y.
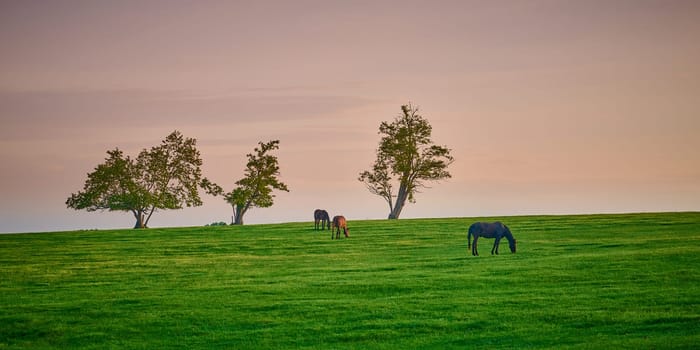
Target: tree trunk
x: 397, y: 210
x: 238, y: 212
x: 148, y: 218
x: 400, y: 202
x: 140, y: 219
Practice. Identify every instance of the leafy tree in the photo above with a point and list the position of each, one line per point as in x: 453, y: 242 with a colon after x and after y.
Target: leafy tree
x: 406, y: 152
x: 165, y: 177
x: 255, y: 189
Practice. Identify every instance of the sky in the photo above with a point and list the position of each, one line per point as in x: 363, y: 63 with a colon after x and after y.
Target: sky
x: 548, y: 107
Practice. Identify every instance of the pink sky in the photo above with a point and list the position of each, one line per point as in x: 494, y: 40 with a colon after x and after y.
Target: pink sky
x: 548, y: 106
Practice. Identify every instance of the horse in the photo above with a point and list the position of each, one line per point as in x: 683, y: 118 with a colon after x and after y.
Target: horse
x: 338, y: 223
x: 321, y: 216
x: 495, y: 230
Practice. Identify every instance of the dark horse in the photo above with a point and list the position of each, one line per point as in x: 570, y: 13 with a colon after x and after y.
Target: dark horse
x: 338, y: 223
x: 495, y: 230
x: 321, y: 216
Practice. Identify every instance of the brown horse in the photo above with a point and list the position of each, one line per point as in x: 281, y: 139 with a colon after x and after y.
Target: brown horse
x: 321, y: 216
x: 338, y: 223
x: 495, y: 230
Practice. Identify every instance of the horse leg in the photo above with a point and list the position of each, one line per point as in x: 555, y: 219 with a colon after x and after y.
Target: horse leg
x: 475, y: 252
x: 469, y: 242
x: 495, y: 245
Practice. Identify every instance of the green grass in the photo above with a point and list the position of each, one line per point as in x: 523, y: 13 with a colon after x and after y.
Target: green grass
x: 579, y: 282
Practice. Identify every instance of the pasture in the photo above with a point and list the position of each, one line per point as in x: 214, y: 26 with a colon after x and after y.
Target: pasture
x: 576, y: 282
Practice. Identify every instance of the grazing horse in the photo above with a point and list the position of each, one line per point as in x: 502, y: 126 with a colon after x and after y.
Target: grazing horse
x: 321, y: 216
x: 338, y: 223
x: 495, y: 230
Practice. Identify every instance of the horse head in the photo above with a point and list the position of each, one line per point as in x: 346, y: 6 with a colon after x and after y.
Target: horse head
x: 511, y: 244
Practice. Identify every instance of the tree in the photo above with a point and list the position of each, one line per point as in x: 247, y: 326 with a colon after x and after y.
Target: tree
x: 165, y: 177
x: 255, y: 189
x: 406, y: 152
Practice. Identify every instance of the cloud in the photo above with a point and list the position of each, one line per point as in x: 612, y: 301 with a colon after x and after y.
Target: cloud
x: 32, y: 114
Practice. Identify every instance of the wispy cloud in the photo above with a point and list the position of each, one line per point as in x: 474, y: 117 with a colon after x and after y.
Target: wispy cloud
x: 27, y: 114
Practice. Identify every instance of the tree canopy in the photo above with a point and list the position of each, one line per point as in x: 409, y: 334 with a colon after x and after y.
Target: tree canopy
x: 166, y: 176
x: 260, y: 179
x: 406, y: 152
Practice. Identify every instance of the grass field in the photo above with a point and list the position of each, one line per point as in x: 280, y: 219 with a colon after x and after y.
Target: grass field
x: 579, y: 282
